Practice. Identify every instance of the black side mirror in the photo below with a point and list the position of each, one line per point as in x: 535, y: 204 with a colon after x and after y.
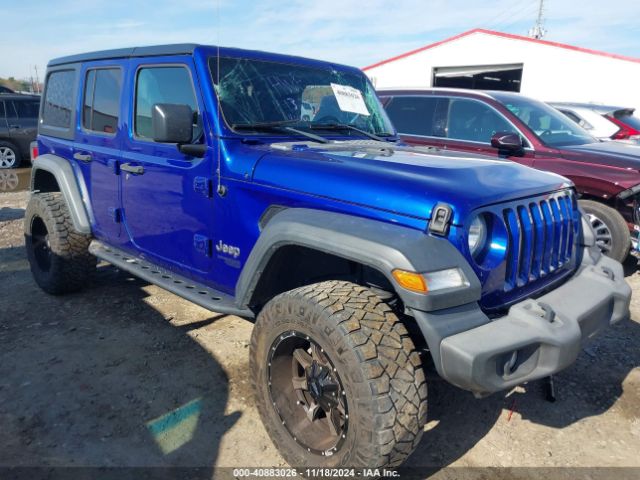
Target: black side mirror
x: 172, y: 123
x: 507, y: 142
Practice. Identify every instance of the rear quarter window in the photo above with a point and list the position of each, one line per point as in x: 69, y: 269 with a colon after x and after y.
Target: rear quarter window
x: 58, y: 99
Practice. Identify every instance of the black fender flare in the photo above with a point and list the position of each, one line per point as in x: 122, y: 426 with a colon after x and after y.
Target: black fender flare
x: 70, y: 186
x: 380, y: 245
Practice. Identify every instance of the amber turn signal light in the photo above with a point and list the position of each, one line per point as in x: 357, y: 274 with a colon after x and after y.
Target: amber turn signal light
x: 410, y: 280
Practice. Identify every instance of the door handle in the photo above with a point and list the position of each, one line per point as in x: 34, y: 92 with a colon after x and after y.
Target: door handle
x: 133, y: 169
x: 14, y: 127
x: 82, y: 157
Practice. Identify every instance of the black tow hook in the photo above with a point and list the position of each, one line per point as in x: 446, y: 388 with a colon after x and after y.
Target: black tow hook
x: 509, y: 366
x: 549, y: 313
x: 608, y: 272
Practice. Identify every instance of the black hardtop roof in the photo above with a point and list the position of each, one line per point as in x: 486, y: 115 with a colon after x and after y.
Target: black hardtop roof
x: 187, y: 49
x: 152, y: 51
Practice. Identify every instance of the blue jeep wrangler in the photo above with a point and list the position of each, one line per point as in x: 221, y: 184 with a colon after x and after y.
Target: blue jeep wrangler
x: 274, y: 188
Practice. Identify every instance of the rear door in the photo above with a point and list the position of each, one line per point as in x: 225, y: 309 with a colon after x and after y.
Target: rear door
x: 22, y: 117
x: 167, y: 204
x: 419, y: 119
x: 98, y: 141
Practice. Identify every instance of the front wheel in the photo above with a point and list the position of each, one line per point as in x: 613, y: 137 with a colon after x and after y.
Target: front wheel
x: 338, y: 380
x: 611, y: 230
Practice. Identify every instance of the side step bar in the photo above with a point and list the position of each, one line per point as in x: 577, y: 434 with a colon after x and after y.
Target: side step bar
x: 195, y: 292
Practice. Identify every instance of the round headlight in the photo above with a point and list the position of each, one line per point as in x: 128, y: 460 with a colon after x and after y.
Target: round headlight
x: 477, y: 234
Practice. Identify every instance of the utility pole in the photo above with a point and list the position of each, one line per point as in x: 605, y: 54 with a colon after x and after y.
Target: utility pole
x: 538, y: 31
x: 37, y: 79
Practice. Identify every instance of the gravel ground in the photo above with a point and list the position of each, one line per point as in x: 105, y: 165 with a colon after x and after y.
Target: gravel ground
x: 126, y: 374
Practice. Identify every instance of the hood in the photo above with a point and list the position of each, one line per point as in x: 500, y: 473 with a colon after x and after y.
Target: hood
x: 616, y: 154
x: 402, y: 180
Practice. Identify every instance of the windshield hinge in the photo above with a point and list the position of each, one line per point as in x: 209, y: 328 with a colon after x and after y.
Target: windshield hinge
x: 203, y: 186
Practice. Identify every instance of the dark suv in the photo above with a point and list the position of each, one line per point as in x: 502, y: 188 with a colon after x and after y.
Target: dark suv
x: 18, y: 127
x: 509, y: 125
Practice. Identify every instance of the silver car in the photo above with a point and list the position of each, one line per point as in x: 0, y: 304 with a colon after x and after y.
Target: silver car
x: 604, y: 122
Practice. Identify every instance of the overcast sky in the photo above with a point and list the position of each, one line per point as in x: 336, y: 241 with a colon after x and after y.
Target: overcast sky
x: 346, y: 31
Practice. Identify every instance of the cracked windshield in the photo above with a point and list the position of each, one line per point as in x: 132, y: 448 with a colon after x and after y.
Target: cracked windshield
x: 276, y: 97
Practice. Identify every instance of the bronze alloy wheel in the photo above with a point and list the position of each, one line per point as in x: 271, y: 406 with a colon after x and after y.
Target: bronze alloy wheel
x: 339, y: 382
x: 307, y: 393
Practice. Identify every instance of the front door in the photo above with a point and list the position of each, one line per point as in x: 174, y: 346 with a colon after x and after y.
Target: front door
x: 97, y: 145
x: 166, y: 195
x: 471, y: 124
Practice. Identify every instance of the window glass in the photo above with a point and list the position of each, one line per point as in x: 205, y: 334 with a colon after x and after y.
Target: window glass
x: 26, y: 108
x: 58, y: 100
x: 628, y: 118
x: 413, y: 115
x: 549, y: 125
x: 580, y: 121
x: 571, y: 115
x: 2, y: 114
x: 88, y: 98
x: 102, y: 100
x: 306, y: 97
x: 474, y: 121
x: 162, y: 85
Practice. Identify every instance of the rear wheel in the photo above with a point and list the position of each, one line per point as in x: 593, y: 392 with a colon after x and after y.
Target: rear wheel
x: 338, y: 380
x: 9, y: 155
x: 611, y: 230
x: 58, y: 255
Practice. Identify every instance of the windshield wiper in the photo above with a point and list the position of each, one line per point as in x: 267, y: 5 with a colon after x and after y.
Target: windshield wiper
x: 282, y: 125
x: 345, y: 126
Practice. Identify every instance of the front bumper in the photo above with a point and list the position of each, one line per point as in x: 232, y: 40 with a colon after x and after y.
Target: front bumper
x: 535, y: 339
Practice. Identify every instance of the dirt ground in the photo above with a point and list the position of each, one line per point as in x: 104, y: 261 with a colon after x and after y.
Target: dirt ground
x: 126, y: 374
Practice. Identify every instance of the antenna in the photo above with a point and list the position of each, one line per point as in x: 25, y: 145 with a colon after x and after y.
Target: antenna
x: 538, y: 31
x: 220, y: 189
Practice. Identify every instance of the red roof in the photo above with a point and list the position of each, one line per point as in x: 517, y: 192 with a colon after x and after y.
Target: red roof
x: 505, y: 35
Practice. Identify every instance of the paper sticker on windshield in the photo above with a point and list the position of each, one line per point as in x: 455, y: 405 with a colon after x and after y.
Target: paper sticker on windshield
x: 349, y: 99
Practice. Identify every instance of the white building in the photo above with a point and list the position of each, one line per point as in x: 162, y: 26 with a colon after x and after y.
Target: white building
x: 541, y: 69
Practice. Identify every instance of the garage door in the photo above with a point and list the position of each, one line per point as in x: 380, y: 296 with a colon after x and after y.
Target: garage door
x: 481, y: 77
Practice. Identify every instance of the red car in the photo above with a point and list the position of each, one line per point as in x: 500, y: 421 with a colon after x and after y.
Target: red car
x: 508, y: 125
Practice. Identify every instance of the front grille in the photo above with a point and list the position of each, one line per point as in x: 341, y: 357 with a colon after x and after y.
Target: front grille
x: 541, y: 237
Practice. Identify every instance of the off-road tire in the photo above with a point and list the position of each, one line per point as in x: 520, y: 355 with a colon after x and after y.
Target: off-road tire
x: 8, y: 146
x: 380, y: 369
x: 616, y: 225
x: 71, y: 264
